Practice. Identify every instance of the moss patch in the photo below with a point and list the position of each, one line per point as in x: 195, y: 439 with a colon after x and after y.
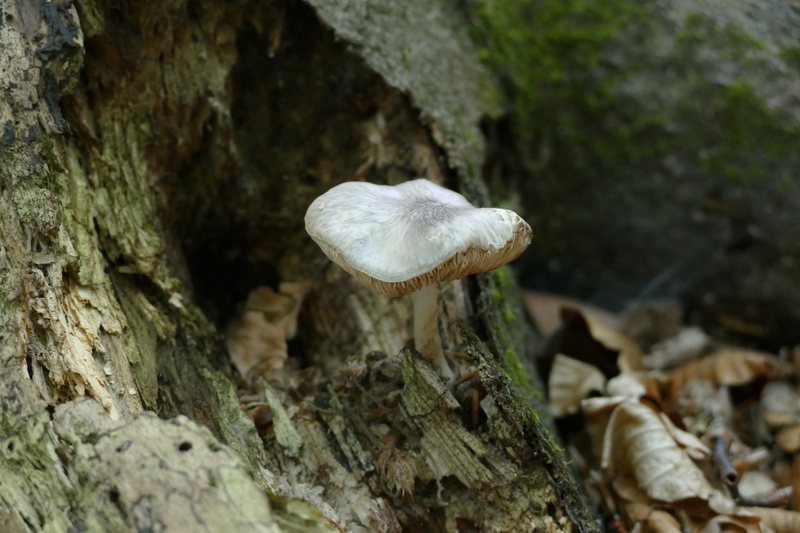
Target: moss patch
x: 549, y: 48
x: 500, y: 310
x: 596, y: 105
x: 791, y: 54
x: 745, y: 139
x: 735, y: 43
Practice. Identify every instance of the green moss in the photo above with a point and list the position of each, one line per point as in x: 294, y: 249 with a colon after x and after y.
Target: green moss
x: 791, y: 54
x: 692, y: 30
x: 745, y: 138
x: 508, y: 314
x: 563, y: 88
x: 732, y: 132
x: 502, y: 284
x: 92, y: 20
x: 517, y: 373
x: 570, y: 99
x: 732, y: 42
x: 555, y: 445
x: 501, y: 316
x: 548, y: 48
x: 502, y: 277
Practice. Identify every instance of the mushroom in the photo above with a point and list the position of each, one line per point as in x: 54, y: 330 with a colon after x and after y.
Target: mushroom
x: 405, y: 239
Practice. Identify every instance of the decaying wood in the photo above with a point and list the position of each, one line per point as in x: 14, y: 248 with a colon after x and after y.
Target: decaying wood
x: 156, y: 160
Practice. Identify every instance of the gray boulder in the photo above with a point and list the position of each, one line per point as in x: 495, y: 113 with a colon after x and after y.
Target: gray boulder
x: 661, y: 149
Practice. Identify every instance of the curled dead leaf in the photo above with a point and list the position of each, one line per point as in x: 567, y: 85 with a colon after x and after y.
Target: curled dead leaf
x: 789, y: 438
x: 732, y: 524
x: 256, y: 344
x: 634, y: 503
x: 731, y: 366
x: 273, y: 305
x: 756, y: 484
x: 256, y: 340
x: 630, y: 355
x: 281, y: 307
x: 659, y: 521
x: 591, y: 342
x: 638, y: 444
x: 570, y: 382
x: 693, y: 446
x: 598, y: 412
x: 635, y: 385
x: 780, y: 405
x: 545, y: 309
x: 700, y: 403
x: 778, y: 520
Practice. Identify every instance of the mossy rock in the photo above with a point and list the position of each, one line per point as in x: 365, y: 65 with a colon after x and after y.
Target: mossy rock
x: 660, y: 146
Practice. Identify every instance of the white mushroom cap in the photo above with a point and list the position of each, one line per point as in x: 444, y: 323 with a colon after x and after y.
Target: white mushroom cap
x: 399, y: 239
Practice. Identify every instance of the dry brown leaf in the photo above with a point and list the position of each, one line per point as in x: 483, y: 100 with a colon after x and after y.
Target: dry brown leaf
x: 700, y: 403
x: 659, y: 521
x: 721, y: 504
x: 298, y: 291
x: 756, y: 484
x: 545, y: 309
x: 283, y: 306
x: 789, y: 438
x: 783, y: 472
x: 575, y: 339
x: 630, y: 355
x: 273, y: 305
x: 570, y: 382
x: 638, y: 506
x: 731, y: 366
x: 634, y: 504
x: 256, y: 341
x: 256, y: 345
x: 637, y: 443
x: 699, y: 511
x: 778, y: 520
x: 780, y: 405
x: 732, y: 524
x: 635, y: 385
x: 693, y: 446
x: 598, y: 412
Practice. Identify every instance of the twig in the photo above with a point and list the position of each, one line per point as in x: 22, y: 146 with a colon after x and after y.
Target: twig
x: 727, y: 472
x: 776, y: 499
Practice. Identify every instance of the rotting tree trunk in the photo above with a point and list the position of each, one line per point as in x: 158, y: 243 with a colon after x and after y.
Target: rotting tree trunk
x: 156, y: 160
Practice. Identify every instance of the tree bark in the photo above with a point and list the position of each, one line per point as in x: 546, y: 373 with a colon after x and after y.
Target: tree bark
x: 156, y: 162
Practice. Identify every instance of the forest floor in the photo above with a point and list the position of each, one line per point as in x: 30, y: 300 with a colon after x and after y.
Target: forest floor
x: 669, y: 429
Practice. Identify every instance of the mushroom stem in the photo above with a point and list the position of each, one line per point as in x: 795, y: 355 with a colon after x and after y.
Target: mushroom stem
x: 426, y: 327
